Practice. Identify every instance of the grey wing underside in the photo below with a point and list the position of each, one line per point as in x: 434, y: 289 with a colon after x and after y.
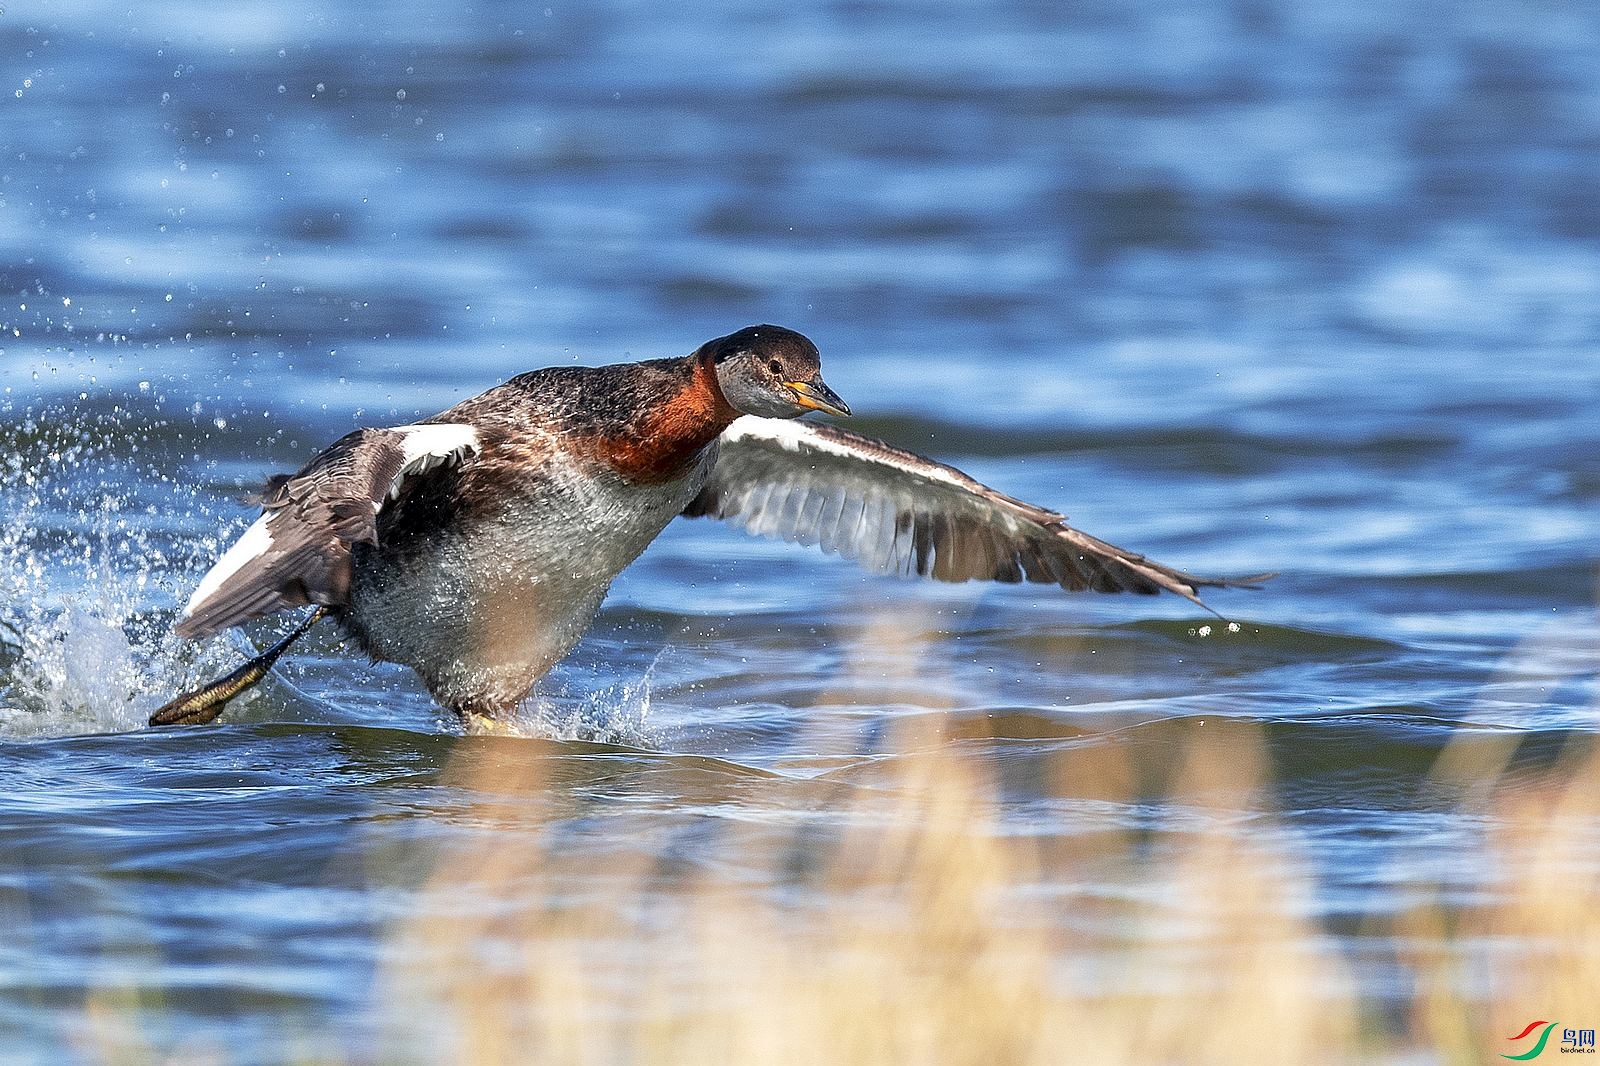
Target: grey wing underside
x: 896, y: 512
x: 299, y: 551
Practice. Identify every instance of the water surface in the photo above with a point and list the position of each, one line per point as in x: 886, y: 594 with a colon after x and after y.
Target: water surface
x: 1244, y: 287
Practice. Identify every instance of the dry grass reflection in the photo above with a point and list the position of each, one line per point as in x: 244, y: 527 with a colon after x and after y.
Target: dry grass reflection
x: 909, y: 914
x: 931, y: 931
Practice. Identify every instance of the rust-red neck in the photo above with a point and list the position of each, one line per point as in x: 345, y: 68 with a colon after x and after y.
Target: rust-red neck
x: 669, y: 435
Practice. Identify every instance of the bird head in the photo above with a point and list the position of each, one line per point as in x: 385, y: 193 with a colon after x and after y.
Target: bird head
x: 772, y: 372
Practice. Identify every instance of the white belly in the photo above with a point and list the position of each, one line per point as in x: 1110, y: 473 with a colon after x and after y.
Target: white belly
x: 486, y: 611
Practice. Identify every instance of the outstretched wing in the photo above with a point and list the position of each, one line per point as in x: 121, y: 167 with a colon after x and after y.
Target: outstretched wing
x: 298, y: 551
x: 896, y: 512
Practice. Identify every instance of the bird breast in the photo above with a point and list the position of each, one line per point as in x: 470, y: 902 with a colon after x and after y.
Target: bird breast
x: 490, y: 605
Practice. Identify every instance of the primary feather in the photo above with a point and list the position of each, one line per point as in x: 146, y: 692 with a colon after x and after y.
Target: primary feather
x: 897, y: 512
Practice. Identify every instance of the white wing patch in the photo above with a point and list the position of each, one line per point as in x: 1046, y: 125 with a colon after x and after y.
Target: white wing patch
x: 424, y: 447
x: 252, y: 543
x: 433, y: 445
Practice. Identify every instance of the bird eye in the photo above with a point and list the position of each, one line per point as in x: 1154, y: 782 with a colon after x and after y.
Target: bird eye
x: 775, y: 366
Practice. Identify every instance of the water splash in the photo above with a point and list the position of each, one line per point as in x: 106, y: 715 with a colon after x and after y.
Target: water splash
x: 618, y: 713
x: 95, y: 539
x: 80, y: 674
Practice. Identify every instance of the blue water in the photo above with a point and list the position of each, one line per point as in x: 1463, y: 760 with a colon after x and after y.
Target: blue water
x: 1257, y: 286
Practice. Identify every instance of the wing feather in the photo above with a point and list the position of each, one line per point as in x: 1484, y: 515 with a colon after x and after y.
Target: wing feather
x: 298, y: 551
x: 894, y: 511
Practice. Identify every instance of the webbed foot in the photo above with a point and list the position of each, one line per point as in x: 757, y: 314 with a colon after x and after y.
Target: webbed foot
x: 201, y: 705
